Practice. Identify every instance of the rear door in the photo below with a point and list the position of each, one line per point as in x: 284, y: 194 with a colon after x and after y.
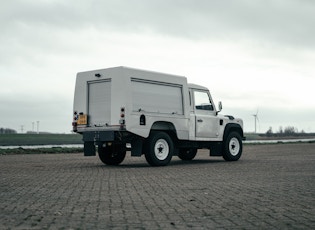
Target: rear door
x: 99, y: 102
x: 206, y: 120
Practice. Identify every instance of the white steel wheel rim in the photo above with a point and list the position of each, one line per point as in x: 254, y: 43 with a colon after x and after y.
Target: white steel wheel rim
x: 161, y: 149
x: 234, y: 146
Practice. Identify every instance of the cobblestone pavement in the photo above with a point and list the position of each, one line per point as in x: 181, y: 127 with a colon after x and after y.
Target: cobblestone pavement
x: 270, y: 187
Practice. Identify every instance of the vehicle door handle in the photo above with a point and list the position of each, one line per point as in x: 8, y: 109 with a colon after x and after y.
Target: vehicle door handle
x: 200, y: 120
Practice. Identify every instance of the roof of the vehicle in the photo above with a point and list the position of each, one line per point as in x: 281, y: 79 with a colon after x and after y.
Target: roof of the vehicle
x: 133, y: 69
x: 195, y: 86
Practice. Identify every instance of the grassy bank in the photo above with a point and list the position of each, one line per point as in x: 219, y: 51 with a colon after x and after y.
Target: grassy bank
x: 262, y: 136
x: 40, y: 150
x: 39, y: 139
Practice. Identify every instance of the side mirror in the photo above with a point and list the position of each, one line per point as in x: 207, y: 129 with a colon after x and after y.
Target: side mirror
x: 219, y: 107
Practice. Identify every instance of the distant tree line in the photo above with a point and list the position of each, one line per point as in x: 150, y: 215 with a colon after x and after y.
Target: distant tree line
x: 7, y: 131
x: 287, y: 131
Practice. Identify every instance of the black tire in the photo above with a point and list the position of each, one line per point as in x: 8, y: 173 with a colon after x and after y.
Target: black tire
x: 233, y: 147
x: 187, y: 154
x: 159, y: 149
x: 112, y: 155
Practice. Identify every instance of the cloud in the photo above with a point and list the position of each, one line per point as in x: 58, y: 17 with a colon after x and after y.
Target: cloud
x: 274, y: 117
x: 22, y: 108
x: 277, y: 27
x: 33, y: 31
x: 247, y: 52
x: 282, y: 21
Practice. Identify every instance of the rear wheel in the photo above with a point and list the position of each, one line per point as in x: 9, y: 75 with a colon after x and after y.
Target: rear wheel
x: 112, y: 154
x: 187, y: 154
x: 159, y: 149
x: 233, y: 147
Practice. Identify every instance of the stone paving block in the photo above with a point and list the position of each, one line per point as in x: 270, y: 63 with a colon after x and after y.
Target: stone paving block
x: 270, y: 187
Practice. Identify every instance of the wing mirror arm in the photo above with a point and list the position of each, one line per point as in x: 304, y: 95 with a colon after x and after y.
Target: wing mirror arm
x: 219, y: 107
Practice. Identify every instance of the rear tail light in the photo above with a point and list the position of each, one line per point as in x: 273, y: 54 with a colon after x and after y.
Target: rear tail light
x: 122, y: 121
x: 74, y: 126
x: 75, y: 115
x: 75, y: 123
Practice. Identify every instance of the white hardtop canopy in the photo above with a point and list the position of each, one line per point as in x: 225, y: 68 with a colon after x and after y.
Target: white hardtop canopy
x: 195, y: 86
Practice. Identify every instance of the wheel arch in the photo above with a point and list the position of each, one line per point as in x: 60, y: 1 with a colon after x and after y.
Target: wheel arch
x: 232, y: 127
x: 165, y: 126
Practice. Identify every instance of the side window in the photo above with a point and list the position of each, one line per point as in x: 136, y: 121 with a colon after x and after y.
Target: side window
x: 202, y: 101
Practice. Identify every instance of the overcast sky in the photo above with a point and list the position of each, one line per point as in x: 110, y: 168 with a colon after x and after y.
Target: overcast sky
x: 253, y: 55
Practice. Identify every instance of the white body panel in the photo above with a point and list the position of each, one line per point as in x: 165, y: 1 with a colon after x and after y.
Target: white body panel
x: 100, y: 94
x: 160, y: 97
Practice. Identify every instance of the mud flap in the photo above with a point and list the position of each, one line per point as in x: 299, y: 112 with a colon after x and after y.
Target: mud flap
x: 89, y: 149
x: 216, y: 149
x: 136, y: 148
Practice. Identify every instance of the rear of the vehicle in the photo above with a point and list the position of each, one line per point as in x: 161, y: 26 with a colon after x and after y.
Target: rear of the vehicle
x: 99, y: 112
x: 94, y: 102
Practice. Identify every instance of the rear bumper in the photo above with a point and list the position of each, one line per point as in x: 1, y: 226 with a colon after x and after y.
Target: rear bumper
x: 92, y: 138
x: 98, y: 136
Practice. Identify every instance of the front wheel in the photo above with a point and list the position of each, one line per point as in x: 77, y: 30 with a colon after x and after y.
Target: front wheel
x: 232, y: 147
x: 159, y: 149
x: 111, y: 154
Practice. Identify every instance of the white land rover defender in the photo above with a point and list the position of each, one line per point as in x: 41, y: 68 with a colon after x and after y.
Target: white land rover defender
x: 155, y: 114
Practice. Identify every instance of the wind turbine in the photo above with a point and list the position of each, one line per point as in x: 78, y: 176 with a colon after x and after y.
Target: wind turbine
x: 256, y: 119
